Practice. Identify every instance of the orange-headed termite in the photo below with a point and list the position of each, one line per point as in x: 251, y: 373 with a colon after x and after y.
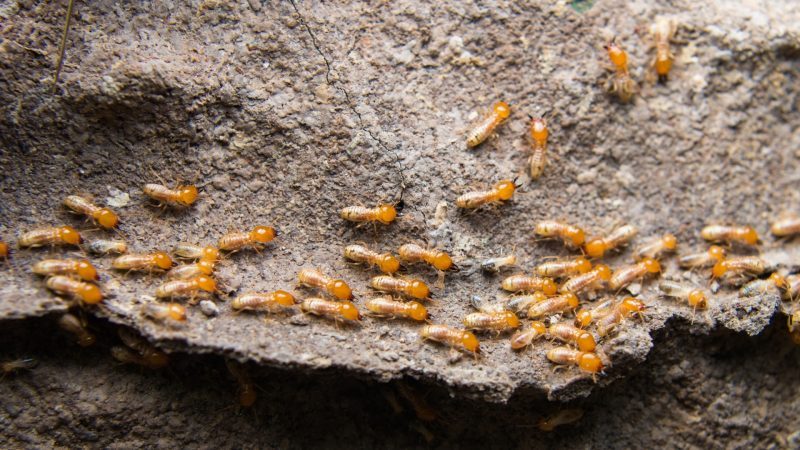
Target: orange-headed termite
x: 247, y: 390
x: 757, y: 287
x: 255, y: 238
x: 696, y: 298
x: 553, y: 305
x: 186, y: 288
x: 621, y: 83
x: 103, y: 216
x: 106, y: 247
x: 268, y: 301
x: 502, y: 191
x: 333, y: 286
x: 180, y: 196
x: 626, y: 275
x: 10, y: 367
x: 522, y: 303
x: 146, y: 261
x: 165, y: 312
x: 657, y: 247
x: 738, y: 265
x: 455, y: 338
x: 388, y: 307
x: 72, y: 324
x: 336, y: 310
x: 787, y: 225
x: 411, y: 287
x: 192, y: 251
x: 65, y: 235
x: 80, y: 268
x: 662, y: 32
x: 524, y: 338
x: 562, y: 417
x: 383, y: 213
x: 529, y: 283
x: 587, y: 281
x: 587, y: 361
x: 495, y: 321
x: 571, y: 235
x: 187, y: 271
x: 486, y: 126
x: 87, y: 293
x: 386, y: 262
x: 624, y: 309
x: 564, y: 267
x: 728, y: 233
x: 538, y: 157
x: 713, y: 255
x: 571, y: 334
x: 412, y: 253
x: 597, y: 247
x: 494, y: 265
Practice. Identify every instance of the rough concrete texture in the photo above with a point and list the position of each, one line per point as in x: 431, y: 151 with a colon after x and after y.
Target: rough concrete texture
x: 286, y: 113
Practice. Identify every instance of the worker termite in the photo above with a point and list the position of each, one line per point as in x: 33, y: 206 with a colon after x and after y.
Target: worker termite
x: 255, y: 238
x: 587, y: 281
x: 486, y: 126
x: 524, y: 338
x: 247, y: 390
x: 383, y: 213
x: 626, y: 275
x: 553, y: 305
x: 186, y: 288
x: 72, y: 324
x: 696, y: 298
x: 502, y: 191
x: 571, y: 235
x: 495, y: 265
x: 538, y: 157
x: 522, y: 303
x: 385, y: 262
x: 662, y: 31
x: 455, y: 338
x: 597, y: 247
x: 388, y: 307
x: 80, y: 268
x: 411, y: 287
x: 192, y: 251
x: 106, y: 247
x: 165, y: 312
x: 573, y: 335
x: 585, y: 317
x: 495, y: 321
x: 267, y: 301
x: 587, y: 361
x: 85, y: 292
x: 738, y: 265
x: 11, y: 367
x: 564, y: 267
x: 729, y: 233
x: 180, y: 196
x: 65, y: 235
x: 621, y: 82
x: 413, y: 253
x: 787, y: 225
x: 138, y: 351
x: 713, y: 255
x: 563, y: 417
x: 657, y: 247
x: 792, y: 289
x: 187, y: 271
x: 333, y: 286
x: 756, y: 287
x: 336, y: 310
x: 529, y: 283
x: 146, y: 261
x: 103, y: 216
x: 623, y: 310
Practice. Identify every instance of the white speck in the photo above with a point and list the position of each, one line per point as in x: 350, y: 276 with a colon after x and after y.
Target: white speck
x: 209, y: 308
x: 117, y: 198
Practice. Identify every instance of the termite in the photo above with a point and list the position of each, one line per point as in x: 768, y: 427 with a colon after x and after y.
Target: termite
x: 538, y: 157
x: 524, y: 338
x: 85, y: 292
x: 787, y: 225
x: 553, y: 305
x: 626, y: 275
x: 255, y: 238
x: 496, y: 321
x: 336, y: 310
x: 333, y: 286
x: 564, y: 267
x: 72, y: 324
x: 80, y: 268
x: 585, y: 317
x: 192, y: 251
x: 621, y: 83
x: 662, y: 31
x: 180, y: 196
x: 571, y: 235
x: 657, y: 247
x: 165, y: 312
x: 146, y: 261
x: 563, y: 417
x: 713, y: 255
x: 597, y: 247
x: 486, y: 126
x: 139, y: 351
x: 573, y: 335
x: 186, y: 288
x: 10, y: 367
x: 737, y: 265
x: 104, y: 217
x: 455, y: 338
x: 587, y: 361
x: 411, y: 287
x: 413, y: 253
x: 793, y: 323
x: 269, y: 301
x: 247, y: 390
x: 388, y: 307
x: 522, y: 303
x: 587, y: 281
x: 106, y: 247
x: 187, y: 271
x: 3, y: 250
x: 792, y: 289
x: 696, y: 298
x: 65, y: 235
x: 757, y: 287
x: 728, y: 233
x: 385, y: 262
x: 529, y: 283
x: 495, y: 265
x: 623, y: 310
x: 383, y: 213
x: 502, y: 191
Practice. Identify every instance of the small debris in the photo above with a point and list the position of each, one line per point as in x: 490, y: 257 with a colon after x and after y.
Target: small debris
x: 209, y: 308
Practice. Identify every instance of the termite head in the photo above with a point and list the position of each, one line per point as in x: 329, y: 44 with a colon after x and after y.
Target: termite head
x: 386, y: 214
x: 549, y: 287
x: 187, y: 194
x: 595, y: 248
x: 283, y: 298
x: 669, y: 241
x: 586, y: 342
x: 631, y: 305
x: 69, y: 235
x: 349, y: 311
x: 750, y: 236
x: 418, y: 289
x: 388, y: 263
x: 262, y: 234
x: 502, y: 110
x: 470, y: 342
x: 716, y: 252
x: 417, y: 311
x: 583, y: 318
x: 339, y: 289
x: 582, y: 265
x: 590, y: 362
x: 442, y: 261
x: 603, y: 272
x: 511, y: 319
x: 206, y: 283
x: 778, y: 279
x: 209, y: 254
x: 162, y: 260
x: 505, y: 189
x: 205, y: 267
x: 572, y: 299
x: 697, y: 299
x: 719, y: 269
x: 177, y: 312
x: 651, y: 265
x: 617, y: 55
x: 86, y: 270
x: 90, y: 293
x: 539, y: 131
x: 106, y: 218
x: 538, y: 327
